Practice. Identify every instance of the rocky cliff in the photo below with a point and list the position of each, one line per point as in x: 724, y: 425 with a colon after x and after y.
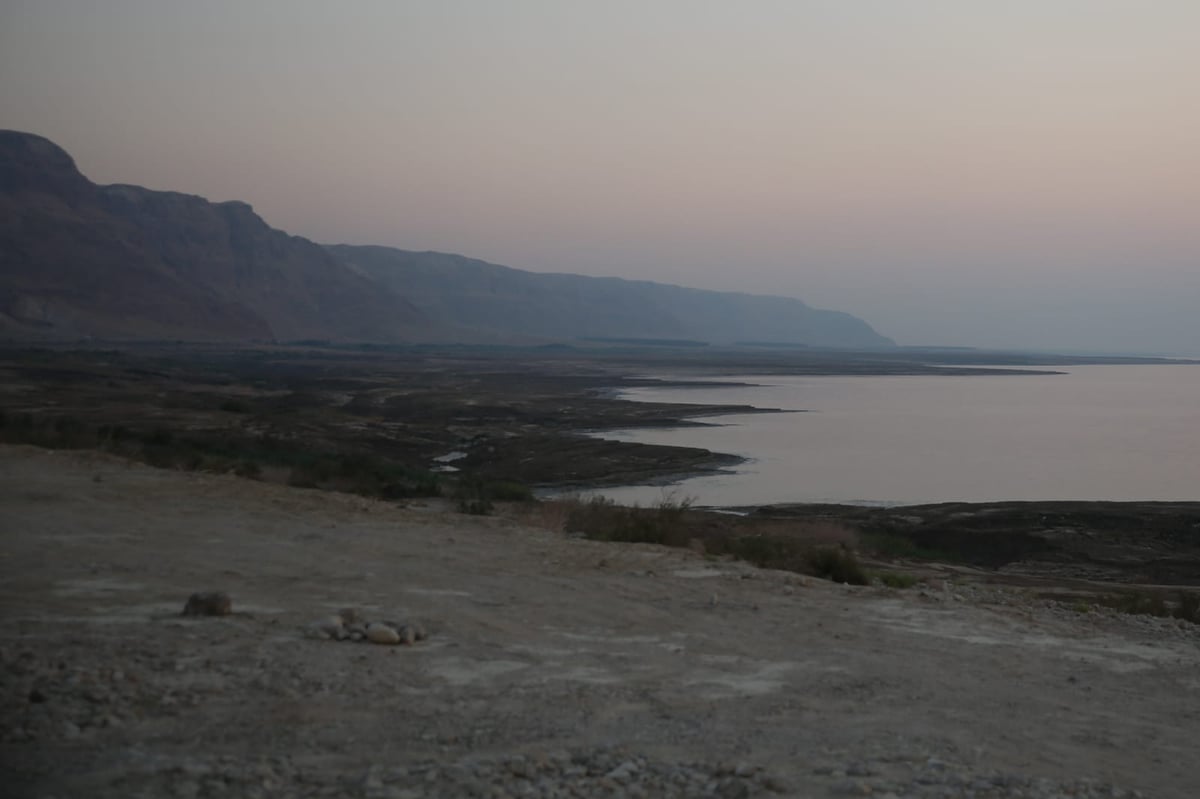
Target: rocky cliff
x: 509, y: 301
x: 79, y: 259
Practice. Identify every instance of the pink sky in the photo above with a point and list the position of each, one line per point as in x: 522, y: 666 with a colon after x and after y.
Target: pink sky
x: 994, y: 174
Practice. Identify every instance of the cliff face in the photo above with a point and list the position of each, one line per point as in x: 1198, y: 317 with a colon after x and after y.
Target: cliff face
x: 504, y: 300
x: 126, y: 262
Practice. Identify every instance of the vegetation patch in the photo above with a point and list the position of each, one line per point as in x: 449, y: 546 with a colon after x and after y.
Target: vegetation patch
x: 1183, y: 605
x: 820, y: 550
x: 477, y: 495
x: 897, y: 579
x: 227, y: 451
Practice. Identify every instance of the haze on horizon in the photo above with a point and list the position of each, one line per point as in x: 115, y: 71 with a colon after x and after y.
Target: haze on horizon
x: 1021, y: 174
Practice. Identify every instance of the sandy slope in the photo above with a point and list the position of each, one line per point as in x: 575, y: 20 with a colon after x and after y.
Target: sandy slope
x: 555, y: 666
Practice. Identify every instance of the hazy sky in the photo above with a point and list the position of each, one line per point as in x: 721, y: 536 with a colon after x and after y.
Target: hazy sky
x: 1018, y: 173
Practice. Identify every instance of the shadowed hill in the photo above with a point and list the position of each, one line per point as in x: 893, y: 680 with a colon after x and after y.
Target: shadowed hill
x: 466, y: 291
x: 127, y: 262
x: 79, y: 260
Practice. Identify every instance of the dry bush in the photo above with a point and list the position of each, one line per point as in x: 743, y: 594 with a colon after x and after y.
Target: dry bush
x: 546, y: 514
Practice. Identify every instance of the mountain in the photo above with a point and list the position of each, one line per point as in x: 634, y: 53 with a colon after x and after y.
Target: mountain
x: 507, y: 301
x: 78, y: 259
x: 124, y: 262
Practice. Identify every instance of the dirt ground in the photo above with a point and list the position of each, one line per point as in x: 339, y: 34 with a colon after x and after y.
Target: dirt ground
x: 555, y: 666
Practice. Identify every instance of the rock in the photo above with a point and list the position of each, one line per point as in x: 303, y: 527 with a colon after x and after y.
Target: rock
x: 382, y: 634
x: 208, y: 603
x: 407, y: 636
x: 327, y: 628
x: 351, y: 616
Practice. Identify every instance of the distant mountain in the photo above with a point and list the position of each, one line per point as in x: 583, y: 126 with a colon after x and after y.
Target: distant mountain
x: 77, y: 259
x: 506, y: 301
x: 124, y: 262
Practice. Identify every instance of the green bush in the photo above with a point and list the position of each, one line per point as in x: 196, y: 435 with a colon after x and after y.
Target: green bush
x: 471, y: 496
x: 897, y: 579
x: 604, y: 520
x: 838, y: 564
x: 509, y: 491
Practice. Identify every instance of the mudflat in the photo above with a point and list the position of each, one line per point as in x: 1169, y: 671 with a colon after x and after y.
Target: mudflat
x: 554, y: 666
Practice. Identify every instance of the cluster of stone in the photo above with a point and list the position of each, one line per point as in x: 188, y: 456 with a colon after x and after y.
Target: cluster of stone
x: 591, y: 772
x: 349, y: 624
x: 934, y: 778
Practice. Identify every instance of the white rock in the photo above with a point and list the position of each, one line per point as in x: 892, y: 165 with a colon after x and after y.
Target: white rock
x: 382, y: 634
x: 326, y: 628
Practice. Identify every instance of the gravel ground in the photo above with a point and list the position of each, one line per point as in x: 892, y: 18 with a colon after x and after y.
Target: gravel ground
x: 553, y: 667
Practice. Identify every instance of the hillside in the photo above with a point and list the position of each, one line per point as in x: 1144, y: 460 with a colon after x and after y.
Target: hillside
x: 500, y: 299
x: 126, y: 262
x: 80, y: 260
x: 555, y: 666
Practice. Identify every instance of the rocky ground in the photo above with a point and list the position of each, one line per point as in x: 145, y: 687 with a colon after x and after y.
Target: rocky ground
x: 553, y: 666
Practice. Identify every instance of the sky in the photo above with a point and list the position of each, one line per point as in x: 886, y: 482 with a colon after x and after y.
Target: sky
x: 959, y: 172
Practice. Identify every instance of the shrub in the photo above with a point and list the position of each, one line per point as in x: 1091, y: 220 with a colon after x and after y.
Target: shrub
x: 604, y: 520
x: 767, y: 551
x: 509, y: 491
x: 838, y: 564
x: 1189, y: 607
x: 897, y: 579
x: 893, y: 545
x: 248, y: 469
x: 302, y: 477
x: 471, y: 496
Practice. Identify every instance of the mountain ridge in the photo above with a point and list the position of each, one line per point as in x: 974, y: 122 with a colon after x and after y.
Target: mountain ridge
x: 465, y: 290
x: 80, y: 260
x: 126, y: 262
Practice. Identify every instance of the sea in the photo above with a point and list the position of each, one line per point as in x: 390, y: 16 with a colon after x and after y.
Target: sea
x: 1097, y: 432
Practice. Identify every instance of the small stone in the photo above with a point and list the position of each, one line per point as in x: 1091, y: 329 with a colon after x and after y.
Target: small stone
x: 407, y: 636
x: 326, y: 628
x: 382, y: 634
x: 351, y: 616
x: 208, y: 603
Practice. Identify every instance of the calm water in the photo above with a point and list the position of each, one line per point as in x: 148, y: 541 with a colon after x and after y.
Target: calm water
x: 1099, y: 432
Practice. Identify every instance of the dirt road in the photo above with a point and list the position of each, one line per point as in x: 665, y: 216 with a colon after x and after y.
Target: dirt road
x: 554, y: 667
